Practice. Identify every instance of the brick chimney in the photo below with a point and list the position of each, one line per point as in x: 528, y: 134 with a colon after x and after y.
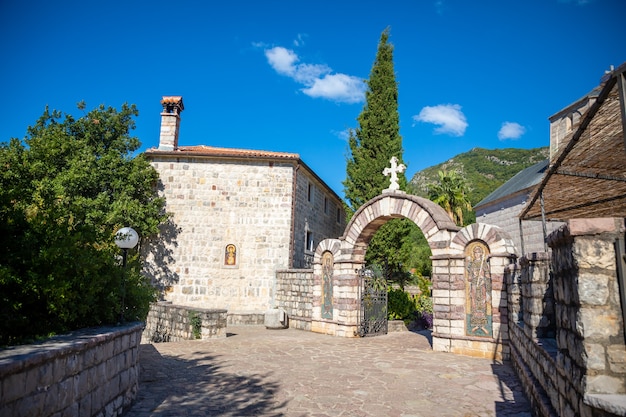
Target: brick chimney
x: 170, y: 122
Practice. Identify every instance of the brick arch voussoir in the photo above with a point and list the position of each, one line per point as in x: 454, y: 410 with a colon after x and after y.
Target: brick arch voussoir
x: 331, y: 245
x: 428, y: 216
x: 498, y: 240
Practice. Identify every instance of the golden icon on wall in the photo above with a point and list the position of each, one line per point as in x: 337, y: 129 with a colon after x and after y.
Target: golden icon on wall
x: 230, y: 255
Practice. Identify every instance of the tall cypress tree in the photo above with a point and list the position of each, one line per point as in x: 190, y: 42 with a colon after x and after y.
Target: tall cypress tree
x: 372, y: 144
x: 377, y: 138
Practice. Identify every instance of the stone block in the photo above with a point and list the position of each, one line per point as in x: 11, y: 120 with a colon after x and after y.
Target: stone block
x: 593, y: 288
x: 441, y: 345
x: 595, y: 357
x: 599, y: 323
x: 593, y: 253
x: 605, y: 384
x: 617, y: 359
x: 276, y: 319
x: 579, y: 227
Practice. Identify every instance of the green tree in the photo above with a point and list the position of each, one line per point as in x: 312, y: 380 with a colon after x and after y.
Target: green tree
x: 372, y: 145
x: 64, y: 192
x: 377, y: 138
x: 450, y: 192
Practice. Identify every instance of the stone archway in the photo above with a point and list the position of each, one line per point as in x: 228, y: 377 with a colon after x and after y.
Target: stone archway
x: 336, y: 288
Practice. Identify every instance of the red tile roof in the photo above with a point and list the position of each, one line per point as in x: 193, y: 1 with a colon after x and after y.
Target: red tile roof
x: 202, y: 150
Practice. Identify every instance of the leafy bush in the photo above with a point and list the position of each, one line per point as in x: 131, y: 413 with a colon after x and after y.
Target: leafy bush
x: 424, y: 304
x: 196, y: 324
x: 64, y: 191
x: 418, y: 308
x: 400, y: 304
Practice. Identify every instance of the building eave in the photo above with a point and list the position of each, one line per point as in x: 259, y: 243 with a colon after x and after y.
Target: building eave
x: 234, y: 154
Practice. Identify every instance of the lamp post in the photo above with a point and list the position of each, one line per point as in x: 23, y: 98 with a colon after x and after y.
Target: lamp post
x: 125, y: 238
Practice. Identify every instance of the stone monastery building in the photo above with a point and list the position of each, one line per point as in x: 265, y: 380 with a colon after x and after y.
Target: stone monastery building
x: 240, y: 216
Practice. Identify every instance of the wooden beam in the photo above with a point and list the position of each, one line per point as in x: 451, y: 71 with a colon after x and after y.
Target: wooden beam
x: 621, y: 91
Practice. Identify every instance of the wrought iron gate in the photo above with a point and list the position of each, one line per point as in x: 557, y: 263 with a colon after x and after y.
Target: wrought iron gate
x: 373, y: 297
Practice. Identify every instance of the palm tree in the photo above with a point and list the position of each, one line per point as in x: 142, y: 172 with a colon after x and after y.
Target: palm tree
x: 450, y: 192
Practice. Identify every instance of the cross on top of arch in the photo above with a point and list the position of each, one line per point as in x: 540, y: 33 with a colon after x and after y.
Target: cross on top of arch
x: 392, y: 172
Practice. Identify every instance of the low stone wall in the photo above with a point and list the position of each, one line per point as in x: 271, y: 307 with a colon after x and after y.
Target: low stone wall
x: 533, y: 359
x: 294, y: 294
x: 245, y: 318
x: 565, y: 323
x: 396, y: 326
x: 167, y: 322
x: 91, y: 372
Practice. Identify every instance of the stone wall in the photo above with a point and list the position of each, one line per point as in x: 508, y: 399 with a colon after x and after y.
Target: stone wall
x: 172, y: 323
x: 86, y: 373
x: 450, y: 293
x: 536, y: 289
x: 590, y: 330
x: 245, y: 318
x: 582, y: 370
x: 533, y: 358
x: 294, y: 294
x: 215, y: 203
x: 316, y: 210
x: 261, y: 209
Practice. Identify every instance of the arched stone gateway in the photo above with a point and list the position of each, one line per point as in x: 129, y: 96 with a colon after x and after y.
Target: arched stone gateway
x: 469, y: 297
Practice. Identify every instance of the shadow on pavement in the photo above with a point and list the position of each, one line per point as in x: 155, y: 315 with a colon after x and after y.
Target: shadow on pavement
x: 199, y: 387
x: 511, y: 391
x: 428, y: 334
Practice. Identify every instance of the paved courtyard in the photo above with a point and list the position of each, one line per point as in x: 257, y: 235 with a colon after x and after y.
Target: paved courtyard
x: 294, y: 373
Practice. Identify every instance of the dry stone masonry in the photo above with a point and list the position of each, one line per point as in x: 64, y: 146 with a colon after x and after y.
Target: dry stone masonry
x: 566, y: 327
x: 171, y: 323
x: 294, y: 291
x: 87, y: 373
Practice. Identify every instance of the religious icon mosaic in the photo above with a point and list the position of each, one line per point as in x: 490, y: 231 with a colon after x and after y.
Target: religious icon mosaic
x: 230, y: 255
x: 327, y: 285
x: 478, y: 290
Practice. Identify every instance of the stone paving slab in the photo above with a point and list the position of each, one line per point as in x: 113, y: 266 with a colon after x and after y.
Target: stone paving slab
x: 293, y: 373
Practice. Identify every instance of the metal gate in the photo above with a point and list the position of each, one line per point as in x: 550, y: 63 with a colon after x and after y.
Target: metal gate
x: 373, y: 296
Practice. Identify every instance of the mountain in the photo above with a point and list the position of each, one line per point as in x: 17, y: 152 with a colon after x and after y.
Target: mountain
x: 484, y: 170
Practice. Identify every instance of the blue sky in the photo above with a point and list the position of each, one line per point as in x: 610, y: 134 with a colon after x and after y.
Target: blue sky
x: 286, y: 76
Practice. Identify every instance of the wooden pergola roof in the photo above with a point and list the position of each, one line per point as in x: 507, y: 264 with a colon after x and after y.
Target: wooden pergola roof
x: 588, y: 178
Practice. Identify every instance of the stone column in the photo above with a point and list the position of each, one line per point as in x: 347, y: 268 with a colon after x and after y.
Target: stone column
x: 513, y: 279
x: 499, y: 303
x: 590, y: 331
x: 537, y: 295
x: 442, y: 286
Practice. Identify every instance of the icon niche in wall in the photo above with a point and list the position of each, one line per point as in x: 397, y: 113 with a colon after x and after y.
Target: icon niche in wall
x: 230, y: 255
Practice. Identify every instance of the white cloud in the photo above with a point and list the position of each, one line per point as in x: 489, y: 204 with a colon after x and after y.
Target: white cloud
x: 511, y: 130
x: 318, y: 80
x: 282, y: 60
x: 337, y: 87
x: 448, y: 117
x: 308, y: 74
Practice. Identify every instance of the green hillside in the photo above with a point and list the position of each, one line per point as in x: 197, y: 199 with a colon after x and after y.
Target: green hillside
x: 483, y: 169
